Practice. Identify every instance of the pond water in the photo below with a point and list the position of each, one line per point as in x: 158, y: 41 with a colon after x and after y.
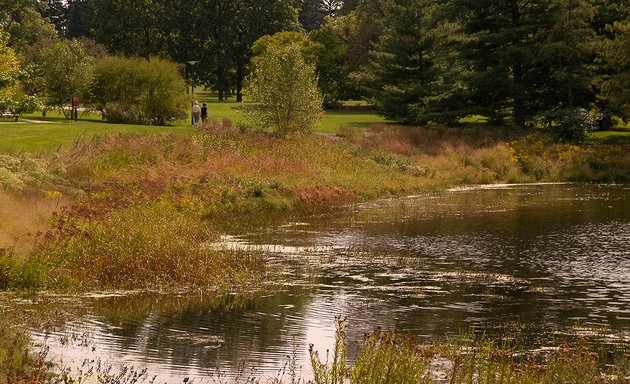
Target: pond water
x: 545, y: 256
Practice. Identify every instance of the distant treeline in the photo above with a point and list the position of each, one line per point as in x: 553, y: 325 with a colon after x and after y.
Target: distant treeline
x: 417, y: 60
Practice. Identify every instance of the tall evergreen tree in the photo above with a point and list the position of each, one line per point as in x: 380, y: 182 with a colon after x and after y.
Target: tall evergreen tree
x: 55, y: 12
x: 615, y: 57
x: 312, y: 14
x: 80, y: 18
x: 566, y: 54
x: 412, y: 74
x: 502, y: 54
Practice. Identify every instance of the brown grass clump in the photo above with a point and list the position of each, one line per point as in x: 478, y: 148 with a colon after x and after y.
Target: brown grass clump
x: 145, y: 245
x: 23, y: 216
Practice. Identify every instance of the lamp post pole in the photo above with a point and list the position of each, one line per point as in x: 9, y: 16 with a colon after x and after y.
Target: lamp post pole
x: 192, y: 89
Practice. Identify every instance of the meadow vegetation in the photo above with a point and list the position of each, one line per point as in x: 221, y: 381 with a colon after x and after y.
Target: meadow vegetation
x: 391, y: 357
x: 102, y: 213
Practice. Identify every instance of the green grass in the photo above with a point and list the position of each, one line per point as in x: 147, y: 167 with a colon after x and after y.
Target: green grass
x: 619, y: 135
x: 330, y: 123
x: 55, y: 132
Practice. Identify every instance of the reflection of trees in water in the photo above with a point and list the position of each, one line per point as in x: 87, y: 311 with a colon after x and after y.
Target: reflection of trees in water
x: 202, y: 332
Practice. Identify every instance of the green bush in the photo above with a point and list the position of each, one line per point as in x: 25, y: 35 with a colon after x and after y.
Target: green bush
x: 20, y: 172
x: 569, y: 125
x: 140, y: 91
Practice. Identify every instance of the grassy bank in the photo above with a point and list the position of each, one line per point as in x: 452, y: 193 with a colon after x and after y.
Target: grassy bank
x: 100, y: 214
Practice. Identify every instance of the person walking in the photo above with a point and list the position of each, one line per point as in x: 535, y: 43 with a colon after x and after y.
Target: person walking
x: 204, y: 114
x: 196, y: 113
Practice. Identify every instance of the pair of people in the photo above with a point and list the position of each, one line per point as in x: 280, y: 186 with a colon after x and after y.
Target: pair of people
x: 199, y: 113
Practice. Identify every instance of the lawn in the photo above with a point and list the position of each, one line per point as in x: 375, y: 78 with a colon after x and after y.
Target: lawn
x: 618, y: 135
x: 55, y: 132
x: 330, y: 123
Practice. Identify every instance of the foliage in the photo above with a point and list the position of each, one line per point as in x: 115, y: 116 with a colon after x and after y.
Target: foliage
x: 9, y: 70
x: 569, y: 125
x: 411, y: 76
x: 312, y: 14
x: 284, y: 89
x: 615, y: 55
x: 24, y: 23
x: 390, y: 357
x: 20, y: 172
x: 217, y: 33
x: 333, y: 370
x: 332, y: 71
x: 323, y: 49
x: 18, y: 364
x: 65, y: 70
x: 139, y: 91
x: 566, y: 50
x: 148, y: 244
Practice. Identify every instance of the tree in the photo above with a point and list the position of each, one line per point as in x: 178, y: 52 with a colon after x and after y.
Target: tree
x: 131, y: 27
x: 253, y: 20
x: 24, y: 23
x: 9, y: 71
x: 80, y: 19
x: 323, y: 49
x: 65, y: 70
x: 615, y: 56
x: 412, y: 76
x: 284, y: 90
x: 502, y: 55
x: 566, y: 52
x: 312, y: 14
x: 332, y: 71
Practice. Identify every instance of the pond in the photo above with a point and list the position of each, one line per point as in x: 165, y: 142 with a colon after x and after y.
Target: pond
x: 546, y: 256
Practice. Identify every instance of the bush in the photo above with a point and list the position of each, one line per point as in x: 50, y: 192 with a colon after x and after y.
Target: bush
x: 569, y: 125
x: 140, y: 91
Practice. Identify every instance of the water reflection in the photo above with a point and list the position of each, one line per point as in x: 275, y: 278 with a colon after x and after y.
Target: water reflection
x: 541, y: 255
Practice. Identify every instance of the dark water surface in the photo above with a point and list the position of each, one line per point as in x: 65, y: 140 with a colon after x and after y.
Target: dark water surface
x: 546, y: 256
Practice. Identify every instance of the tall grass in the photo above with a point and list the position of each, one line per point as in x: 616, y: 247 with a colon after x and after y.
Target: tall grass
x: 390, y: 357
x: 145, y: 245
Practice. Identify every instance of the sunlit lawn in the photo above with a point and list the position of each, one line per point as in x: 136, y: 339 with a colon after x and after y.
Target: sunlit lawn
x: 330, y: 123
x: 55, y: 132
x: 618, y: 135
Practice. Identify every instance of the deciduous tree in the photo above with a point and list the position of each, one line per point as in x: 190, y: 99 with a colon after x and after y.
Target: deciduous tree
x: 284, y: 90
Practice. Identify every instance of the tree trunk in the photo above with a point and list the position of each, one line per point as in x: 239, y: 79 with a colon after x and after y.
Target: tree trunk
x: 240, y: 74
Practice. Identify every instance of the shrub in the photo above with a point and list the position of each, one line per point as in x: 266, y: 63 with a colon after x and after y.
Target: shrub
x: 569, y: 125
x: 140, y: 91
x: 145, y: 245
x: 19, y: 172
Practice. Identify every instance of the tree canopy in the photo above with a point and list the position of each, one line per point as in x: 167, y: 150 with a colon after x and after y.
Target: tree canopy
x: 418, y: 61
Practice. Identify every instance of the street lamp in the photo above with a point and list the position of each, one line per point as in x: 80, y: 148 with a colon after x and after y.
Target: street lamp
x: 192, y: 89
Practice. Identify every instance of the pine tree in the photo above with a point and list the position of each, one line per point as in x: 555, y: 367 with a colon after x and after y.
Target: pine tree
x: 502, y: 54
x: 79, y: 19
x: 413, y: 67
x: 566, y: 54
x: 312, y: 14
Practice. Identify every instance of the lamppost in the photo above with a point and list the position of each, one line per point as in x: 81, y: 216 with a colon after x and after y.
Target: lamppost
x: 192, y: 88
